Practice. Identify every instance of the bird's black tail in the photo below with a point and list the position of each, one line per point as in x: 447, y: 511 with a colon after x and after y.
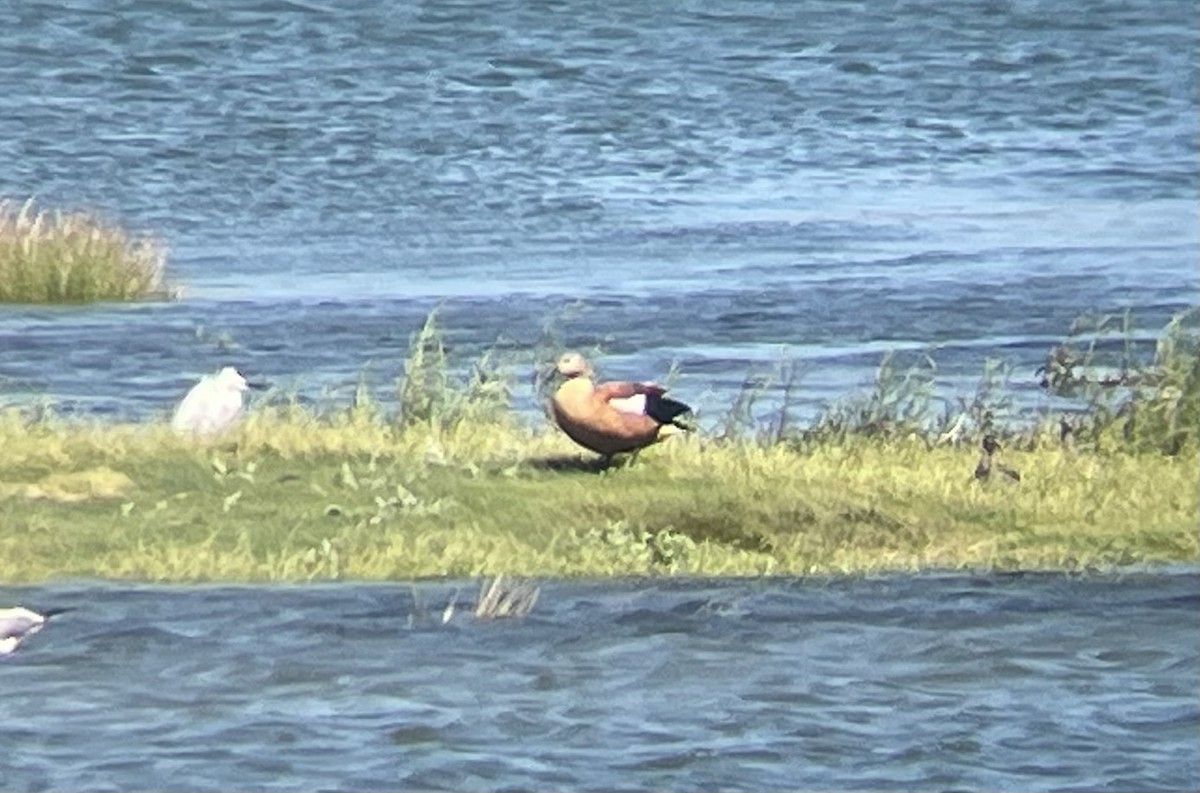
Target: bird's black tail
x: 48, y: 613
x: 668, y: 411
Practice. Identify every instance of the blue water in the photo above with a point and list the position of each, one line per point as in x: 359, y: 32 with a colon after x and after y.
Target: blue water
x: 719, y: 187
x: 939, y: 682
x: 722, y: 186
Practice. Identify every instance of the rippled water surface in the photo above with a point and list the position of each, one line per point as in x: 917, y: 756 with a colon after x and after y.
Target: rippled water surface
x: 1031, y: 682
x: 714, y: 185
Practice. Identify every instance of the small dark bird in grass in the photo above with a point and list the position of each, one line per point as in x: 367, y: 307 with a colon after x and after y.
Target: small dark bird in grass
x: 1066, y: 434
x: 987, y: 465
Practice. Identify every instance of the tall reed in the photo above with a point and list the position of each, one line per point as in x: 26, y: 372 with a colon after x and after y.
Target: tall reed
x: 429, y: 394
x: 1129, y: 400
x: 48, y: 256
x: 1111, y: 394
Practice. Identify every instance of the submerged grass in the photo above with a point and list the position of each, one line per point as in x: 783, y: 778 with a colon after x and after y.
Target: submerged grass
x: 54, y: 257
x: 454, y: 485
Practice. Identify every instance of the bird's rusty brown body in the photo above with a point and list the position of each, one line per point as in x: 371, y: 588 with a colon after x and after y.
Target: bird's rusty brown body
x: 612, y: 417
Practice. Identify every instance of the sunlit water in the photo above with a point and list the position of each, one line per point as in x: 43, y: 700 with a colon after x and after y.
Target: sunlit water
x: 722, y: 187
x: 1031, y: 682
x: 718, y: 185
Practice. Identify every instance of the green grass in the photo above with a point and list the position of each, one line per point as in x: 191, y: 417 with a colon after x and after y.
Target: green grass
x: 56, y: 257
x: 295, y: 498
x: 452, y: 483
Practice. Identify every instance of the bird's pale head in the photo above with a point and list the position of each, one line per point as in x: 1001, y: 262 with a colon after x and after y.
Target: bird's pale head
x: 231, y: 379
x: 572, y: 364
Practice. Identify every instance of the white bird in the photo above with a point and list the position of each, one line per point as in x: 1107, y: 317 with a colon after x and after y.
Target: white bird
x: 212, y: 404
x: 19, y: 623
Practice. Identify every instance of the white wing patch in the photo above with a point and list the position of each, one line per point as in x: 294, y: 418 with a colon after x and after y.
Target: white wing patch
x: 635, y: 404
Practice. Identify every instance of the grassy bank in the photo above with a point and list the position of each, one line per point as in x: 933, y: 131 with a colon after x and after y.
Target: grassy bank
x: 55, y: 257
x: 452, y: 484
x: 290, y: 499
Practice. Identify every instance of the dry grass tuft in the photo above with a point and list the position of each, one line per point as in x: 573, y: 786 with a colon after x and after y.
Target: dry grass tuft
x: 48, y: 256
x: 96, y: 483
x: 500, y: 598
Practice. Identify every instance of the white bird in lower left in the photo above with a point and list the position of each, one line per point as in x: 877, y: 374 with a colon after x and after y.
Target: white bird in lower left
x: 19, y: 623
